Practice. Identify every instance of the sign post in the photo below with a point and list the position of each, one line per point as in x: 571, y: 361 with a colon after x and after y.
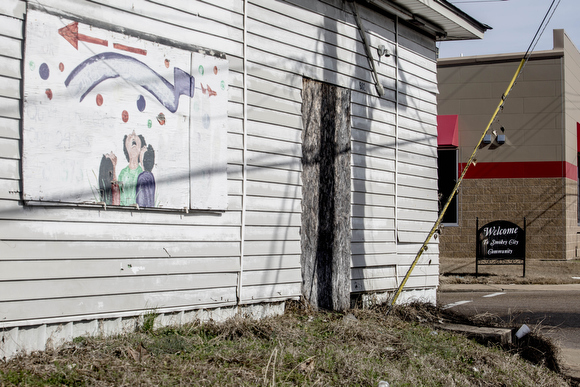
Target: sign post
x: 500, y: 243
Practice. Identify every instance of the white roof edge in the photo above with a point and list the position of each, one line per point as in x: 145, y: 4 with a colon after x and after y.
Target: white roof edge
x: 458, y: 16
x: 438, y: 17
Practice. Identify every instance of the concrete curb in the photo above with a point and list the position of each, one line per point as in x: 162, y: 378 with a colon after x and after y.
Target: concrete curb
x: 445, y: 288
x: 480, y: 334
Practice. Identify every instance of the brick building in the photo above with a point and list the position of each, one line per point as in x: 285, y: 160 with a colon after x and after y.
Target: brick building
x: 527, y: 166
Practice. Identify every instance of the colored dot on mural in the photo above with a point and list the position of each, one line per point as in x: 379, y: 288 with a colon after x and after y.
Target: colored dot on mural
x: 31, y: 65
x: 48, y: 93
x: 223, y: 85
x: 167, y: 63
x: 161, y: 118
x: 44, y: 71
x: 205, y: 121
x: 200, y: 69
x: 125, y: 116
x: 99, y: 100
x: 61, y: 67
x: 141, y: 103
x: 149, y: 123
x: 215, y: 70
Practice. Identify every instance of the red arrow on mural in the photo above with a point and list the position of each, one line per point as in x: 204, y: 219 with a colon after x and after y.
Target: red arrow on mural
x: 71, y: 34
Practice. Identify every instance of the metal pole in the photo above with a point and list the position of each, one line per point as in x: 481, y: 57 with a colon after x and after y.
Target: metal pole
x: 476, y: 247
x: 457, y: 184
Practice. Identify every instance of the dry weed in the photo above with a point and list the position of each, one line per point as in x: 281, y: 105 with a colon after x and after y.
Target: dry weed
x: 303, y: 347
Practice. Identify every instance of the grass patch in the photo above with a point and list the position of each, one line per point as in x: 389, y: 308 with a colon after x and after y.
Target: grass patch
x: 301, y: 348
x: 538, y: 271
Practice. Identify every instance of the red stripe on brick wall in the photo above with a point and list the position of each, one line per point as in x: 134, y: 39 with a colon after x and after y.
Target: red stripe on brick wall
x: 521, y: 170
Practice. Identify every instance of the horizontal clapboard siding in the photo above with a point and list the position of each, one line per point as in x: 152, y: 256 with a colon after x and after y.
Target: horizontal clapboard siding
x: 14, y: 250
x: 138, y: 303
x: 394, y: 167
x: 77, y: 261
x: 273, y: 202
x: 11, y: 44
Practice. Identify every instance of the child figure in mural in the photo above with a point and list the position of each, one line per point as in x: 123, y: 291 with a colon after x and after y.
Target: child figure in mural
x: 146, y: 180
x: 123, y: 191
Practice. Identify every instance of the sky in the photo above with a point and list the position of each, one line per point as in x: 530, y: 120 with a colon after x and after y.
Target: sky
x: 514, y: 24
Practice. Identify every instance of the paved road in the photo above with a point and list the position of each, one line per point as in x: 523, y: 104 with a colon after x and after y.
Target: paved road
x: 556, y: 309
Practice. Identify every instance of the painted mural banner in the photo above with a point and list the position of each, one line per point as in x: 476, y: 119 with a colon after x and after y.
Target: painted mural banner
x: 116, y: 120
x: 500, y: 243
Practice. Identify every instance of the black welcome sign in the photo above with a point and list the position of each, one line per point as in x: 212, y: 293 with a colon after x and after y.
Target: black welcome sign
x: 501, y: 239
x: 501, y: 243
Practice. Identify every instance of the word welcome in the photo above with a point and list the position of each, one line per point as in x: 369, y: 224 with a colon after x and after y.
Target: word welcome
x: 497, y: 231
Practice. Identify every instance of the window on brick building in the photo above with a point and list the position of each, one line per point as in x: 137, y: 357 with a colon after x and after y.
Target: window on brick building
x: 447, y: 174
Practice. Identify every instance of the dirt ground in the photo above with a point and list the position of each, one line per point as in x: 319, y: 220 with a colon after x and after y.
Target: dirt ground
x: 538, y: 271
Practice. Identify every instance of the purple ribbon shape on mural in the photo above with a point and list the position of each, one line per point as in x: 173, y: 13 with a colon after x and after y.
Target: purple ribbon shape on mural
x: 87, y: 75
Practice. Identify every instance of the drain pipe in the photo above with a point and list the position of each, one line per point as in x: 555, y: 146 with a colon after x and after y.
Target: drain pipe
x: 363, y: 35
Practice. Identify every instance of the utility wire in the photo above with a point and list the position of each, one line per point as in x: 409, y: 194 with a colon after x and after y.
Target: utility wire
x: 435, y: 227
x: 541, y: 29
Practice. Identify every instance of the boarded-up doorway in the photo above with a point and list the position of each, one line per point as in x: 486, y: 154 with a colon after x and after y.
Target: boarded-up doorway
x: 326, y: 195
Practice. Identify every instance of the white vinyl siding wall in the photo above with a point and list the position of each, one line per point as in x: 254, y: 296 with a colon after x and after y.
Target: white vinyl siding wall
x: 321, y: 40
x: 76, y: 263
x: 73, y: 263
